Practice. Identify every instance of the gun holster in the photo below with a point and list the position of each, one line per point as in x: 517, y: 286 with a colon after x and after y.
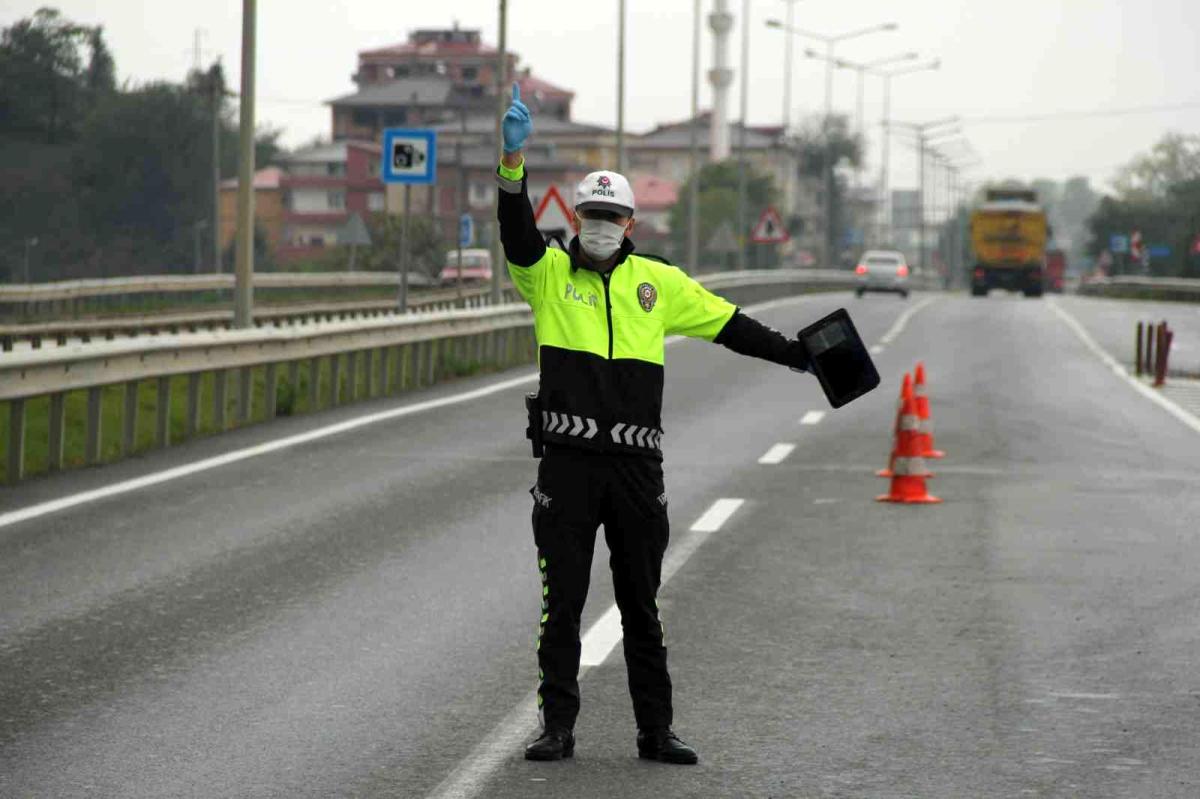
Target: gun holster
x: 533, y: 407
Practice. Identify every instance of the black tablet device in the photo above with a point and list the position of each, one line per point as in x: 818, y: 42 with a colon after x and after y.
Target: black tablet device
x: 838, y: 358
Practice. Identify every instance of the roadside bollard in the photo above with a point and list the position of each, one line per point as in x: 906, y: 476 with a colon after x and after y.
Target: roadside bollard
x: 1137, y: 359
x: 1163, y: 347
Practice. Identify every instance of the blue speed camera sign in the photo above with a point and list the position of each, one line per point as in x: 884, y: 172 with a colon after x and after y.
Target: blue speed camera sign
x: 466, y: 230
x: 409, y: 156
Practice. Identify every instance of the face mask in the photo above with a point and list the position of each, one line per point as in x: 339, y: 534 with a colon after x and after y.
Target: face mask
x: 600, y: 239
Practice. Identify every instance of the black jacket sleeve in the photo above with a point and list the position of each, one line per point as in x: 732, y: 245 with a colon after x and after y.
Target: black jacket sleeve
x: 747, y: 336
x: 523, y: 243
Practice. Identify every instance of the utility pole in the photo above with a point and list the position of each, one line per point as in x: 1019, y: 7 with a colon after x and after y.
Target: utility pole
x: 243, y: 292
x: 460, y: 194
x: 693, y: 239
x: 925, y: 132
x: 921, y: 198
x: 787, y: 68
x: 621, y: 86
x: 501, y: 107
x: 742, y: 167
x: 216, y: 89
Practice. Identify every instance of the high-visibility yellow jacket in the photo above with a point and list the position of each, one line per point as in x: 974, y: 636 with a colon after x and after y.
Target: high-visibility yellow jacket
x: 600, y: 335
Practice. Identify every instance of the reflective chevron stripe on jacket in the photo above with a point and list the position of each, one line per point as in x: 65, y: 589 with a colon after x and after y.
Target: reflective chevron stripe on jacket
x: 565, y: 426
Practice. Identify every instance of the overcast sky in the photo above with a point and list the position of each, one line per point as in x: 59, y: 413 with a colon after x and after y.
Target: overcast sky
x: 1017, y: 58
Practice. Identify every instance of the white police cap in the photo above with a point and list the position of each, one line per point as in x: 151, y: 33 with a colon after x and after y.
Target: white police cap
x: 607, y: 190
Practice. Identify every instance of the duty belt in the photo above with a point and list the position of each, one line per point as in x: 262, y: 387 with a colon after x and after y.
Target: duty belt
x: 600, y: 433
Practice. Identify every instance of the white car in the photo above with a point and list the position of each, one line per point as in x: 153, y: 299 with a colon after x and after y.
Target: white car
x: 882, y: 270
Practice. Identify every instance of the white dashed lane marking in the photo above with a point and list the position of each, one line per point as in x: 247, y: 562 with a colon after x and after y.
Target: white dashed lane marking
x: 777, y: 453
x: 812, y: 417
x: 717, y: 514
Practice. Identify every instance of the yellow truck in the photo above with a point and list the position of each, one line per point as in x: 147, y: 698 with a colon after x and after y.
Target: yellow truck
x: 1008, y: 239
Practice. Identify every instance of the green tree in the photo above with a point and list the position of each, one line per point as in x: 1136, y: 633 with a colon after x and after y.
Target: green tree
x: 718, y: 207
x: 1174, y: 159
x: 827, y: 142
x: 142, y: 173
x: 1158, y: 194
x: 41, y: 76
x: 101, y: 76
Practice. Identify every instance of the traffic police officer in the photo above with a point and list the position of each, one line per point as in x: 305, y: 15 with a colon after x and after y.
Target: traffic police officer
x: 601, y: 314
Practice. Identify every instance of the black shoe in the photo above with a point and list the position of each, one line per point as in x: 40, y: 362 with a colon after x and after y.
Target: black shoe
x: 553, y: 744
x: 664, y: 745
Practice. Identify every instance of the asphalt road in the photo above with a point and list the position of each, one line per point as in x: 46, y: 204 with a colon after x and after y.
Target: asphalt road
x: 354, y: 616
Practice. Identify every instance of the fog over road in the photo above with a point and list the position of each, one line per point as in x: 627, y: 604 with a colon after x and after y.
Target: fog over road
x: 355, y: 616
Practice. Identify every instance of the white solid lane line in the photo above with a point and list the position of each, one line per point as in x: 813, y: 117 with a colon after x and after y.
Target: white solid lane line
x: 504, y: 742
x: 776, y: 454
x: 876, y: 349
x: 902, y: 321
x: 812, y: 417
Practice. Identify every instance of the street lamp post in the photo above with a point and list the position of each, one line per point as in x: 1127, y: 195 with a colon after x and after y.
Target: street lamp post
x: 830, y: 42
x: 926, y: 133
x: 863, y: 69
x: 501, y: 106
x: 741, y: 146
x: 787, y: 68
x: 243, y: 292
x: 693, y: 239
x: 621, y: 86
x: 885, y: 203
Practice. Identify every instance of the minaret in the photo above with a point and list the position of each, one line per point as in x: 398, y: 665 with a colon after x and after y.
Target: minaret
x: 720, y: 76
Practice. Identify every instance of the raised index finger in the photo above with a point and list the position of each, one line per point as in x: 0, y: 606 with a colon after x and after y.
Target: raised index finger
x: 516, y: 92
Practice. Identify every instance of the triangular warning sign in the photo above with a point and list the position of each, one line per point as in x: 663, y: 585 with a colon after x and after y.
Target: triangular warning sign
x: 552, y: 214
x: 769, y: 229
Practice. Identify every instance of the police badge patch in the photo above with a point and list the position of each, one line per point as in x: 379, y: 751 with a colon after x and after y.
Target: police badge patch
x: 647, y: 296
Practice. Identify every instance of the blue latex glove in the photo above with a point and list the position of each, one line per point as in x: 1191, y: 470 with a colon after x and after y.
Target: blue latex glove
x: 517, y: 123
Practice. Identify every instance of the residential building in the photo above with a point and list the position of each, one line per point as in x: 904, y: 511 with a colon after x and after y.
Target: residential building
x: 269, y: 209
x: 434, y: 77
x: 655, y: 197
x: 301, y: 203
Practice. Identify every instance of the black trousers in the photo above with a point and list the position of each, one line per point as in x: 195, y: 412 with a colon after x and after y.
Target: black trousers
x: 577, y: 491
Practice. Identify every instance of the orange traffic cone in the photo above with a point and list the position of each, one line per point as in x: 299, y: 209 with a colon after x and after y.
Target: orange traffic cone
x: 908, y: 466
x: 906, y: 390
x: 925, y: 432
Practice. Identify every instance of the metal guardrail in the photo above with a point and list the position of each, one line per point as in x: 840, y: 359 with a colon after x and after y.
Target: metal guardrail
x: 322, y: 365
x: 176, y: 284
x: 1179, y: 289
x: 108, y: 328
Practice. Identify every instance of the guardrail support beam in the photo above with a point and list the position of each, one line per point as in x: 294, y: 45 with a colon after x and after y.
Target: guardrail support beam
x: 245, y: 384
x: 293, y: 377
x: 271, y: 397
x: 129, y: 433
x: 220, y: 387
x: 58, y: 408
x: 352, y: 375
x: 92, y: 451
x: 192, y: 422
x: 314, y: 384
x: 335, y: 379
x: 16, y: 440
x: 162, y: 409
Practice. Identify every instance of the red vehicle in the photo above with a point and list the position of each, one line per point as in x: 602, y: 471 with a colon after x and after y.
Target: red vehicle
x: 1056, y: 268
